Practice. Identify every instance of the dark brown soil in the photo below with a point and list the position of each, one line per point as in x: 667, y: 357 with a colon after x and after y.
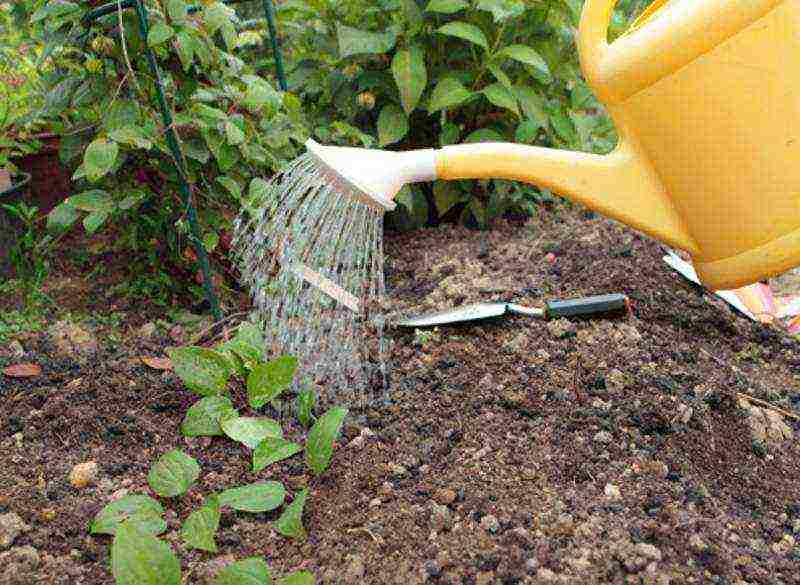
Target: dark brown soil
x: 618, y: 453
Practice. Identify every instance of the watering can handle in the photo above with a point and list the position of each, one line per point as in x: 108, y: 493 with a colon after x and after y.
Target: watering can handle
x: 593, y: 34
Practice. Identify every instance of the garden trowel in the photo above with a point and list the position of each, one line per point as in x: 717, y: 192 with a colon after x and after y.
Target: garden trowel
x: 478, y: 311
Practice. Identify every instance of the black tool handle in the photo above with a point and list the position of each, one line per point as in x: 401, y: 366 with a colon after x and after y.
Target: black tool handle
x: 586, y: 305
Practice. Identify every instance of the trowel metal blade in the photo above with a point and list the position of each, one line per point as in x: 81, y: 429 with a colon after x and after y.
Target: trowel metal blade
x: 458, y: 315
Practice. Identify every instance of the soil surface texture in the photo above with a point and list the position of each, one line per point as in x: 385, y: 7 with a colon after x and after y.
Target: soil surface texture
x: 638, y: 447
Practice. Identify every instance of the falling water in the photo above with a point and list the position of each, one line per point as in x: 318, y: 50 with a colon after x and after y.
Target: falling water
x: 308, y: 224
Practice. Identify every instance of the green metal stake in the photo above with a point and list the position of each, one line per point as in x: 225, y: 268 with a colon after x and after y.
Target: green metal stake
x: 186, y: 193
x: 269, y: 12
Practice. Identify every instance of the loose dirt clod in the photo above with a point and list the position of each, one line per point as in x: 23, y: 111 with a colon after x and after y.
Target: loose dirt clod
x: 11, y: 526
x: 83, y: 474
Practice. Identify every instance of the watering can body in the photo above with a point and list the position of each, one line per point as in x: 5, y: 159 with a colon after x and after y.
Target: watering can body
x: 705, y: 95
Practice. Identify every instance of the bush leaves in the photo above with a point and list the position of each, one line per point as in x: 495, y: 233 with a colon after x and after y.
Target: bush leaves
x: 173, y: 474
x: 411, y: 77
x: 392, y: 125
x: 271, y: 450
x: 319, y: 445
x: 290, y: 524
x: 298, y: 578
x: 465, y: 31
x: 256, y: 497
x: 99, y: 158
x: 448, y: 92
x: 139, y: 558
x: 353, y: 41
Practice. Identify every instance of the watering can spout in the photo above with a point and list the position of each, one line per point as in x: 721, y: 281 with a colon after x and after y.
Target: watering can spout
x: 621, y: 185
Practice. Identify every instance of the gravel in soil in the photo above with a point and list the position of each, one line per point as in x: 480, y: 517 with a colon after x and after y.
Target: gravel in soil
x: 607, y: 450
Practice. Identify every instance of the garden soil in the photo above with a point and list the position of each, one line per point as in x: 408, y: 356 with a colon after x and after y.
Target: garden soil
x: 618, y: 449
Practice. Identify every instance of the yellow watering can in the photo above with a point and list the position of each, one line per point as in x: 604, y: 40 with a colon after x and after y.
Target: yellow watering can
x: 705, y: 95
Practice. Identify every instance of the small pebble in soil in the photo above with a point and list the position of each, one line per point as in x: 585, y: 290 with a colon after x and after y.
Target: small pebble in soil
x: 445, y: 497
x: 83, y: 474
x: 354, y: 573
x: 685, y: 413
x: 612, y: 492
x: 397, y: 470
x: 603, y: 437
x: 386, y: 490
x: 490, y: 523
x: 531, y: 566
x: 11, y: 526
x: 375, y: 503
x: 441, y: 518
x: 432, y: 568
x: 561, y: 328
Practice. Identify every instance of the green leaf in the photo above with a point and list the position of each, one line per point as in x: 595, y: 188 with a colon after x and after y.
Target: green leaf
x: 229, y: 35
x: 446, y: 195
x: 231, y: 186
x: 177, y: 11
x: 304, y: 403
x: 319, y: 445
x: 271, y: 450
x: 200, y: 527
x: 536, y: 64
x: 353, y: 41
x: 449, y: 135
x: 184, y: 45
x: 215, y: 16
x: 94, y: 221
x: 204, y: 416
x: 248, y: 343
x: 502, y: 9
x: 204, y: 371
x: 259, y: 191
x: 531, y: 103
x: 465, y: 31
x: 210, y: 241
x: 563, y: 126
x: 410, y: 75
x: 159, y: 33
x: 256, y: 497
x: 233, y: 134
x: 250, y: 431
x: 298, y: 578
x: 173, y: 474
x: 448, y: 93
x: 53, y: 10
x: 527, y: 132
x: 132, y: 200
x: 109, y: 518
x: 484, y: 135
x: 250, y: 571
x: 133, y: 136
x: 61, y: 218
x: 267, y: 381
x: 139, y: 558
x: 92, y: 200
x: 500, y: 96
x: 501, y: 76
x: 446, y: 6
x: 259, y: 94
x: 392, y: 125
x: 99, y: 158
x: 290, y: 524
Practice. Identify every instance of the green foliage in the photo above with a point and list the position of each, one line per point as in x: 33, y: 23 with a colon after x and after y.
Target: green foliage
x: 173, y: 474
x: 250, y: 431
x: 203, y: 417
x: 139, y: 558
x: 319, y: 446
x: 257, y: 497
x: 204, y: 371
x: 200, y: 527
x: 266, y: 381
x: 251, y: 571
x: 438, y: 72
x: 290, y: 523
x: 271, y: 450
x: 137, y: 508
x: 232, y: 124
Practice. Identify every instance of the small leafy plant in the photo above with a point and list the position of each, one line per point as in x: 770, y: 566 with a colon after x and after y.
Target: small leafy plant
x: 135, y: 521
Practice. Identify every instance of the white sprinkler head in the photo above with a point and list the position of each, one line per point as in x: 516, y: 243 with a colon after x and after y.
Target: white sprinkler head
x: 374, y: 177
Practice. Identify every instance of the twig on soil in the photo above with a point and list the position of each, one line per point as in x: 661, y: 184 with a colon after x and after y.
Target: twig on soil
x: 378, y: 540
x: 194, y: 340
x: 759, y: 401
